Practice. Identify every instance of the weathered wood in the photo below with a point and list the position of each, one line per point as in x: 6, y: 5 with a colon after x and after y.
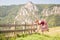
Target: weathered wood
x: 10, y: 25
x: 14, y: 31
x: 8, y: 31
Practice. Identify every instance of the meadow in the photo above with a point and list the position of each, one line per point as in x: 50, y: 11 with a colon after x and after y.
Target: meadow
x: 39, y: 37
x: 53, y: 34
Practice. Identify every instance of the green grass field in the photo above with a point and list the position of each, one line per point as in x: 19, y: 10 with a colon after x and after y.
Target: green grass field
x: 39, y: 37
x: 53, y: 34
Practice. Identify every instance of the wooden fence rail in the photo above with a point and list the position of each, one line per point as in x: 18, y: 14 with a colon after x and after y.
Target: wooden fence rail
x: 10, y: 25
x: 25, y: 27
x: 7, y: 31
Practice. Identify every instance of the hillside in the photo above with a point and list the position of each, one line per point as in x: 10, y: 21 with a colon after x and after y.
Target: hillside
x: 13, y: 9
x: 8, y: 13
x: 27, y: 14
x: 53, y: 20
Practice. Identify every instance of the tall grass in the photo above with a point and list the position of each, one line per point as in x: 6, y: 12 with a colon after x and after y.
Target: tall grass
x: 32, y: 37
x: 39, y: 37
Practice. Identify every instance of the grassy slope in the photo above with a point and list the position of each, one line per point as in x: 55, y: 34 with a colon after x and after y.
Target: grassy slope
x: 53, y: 34
x: 53, y: 31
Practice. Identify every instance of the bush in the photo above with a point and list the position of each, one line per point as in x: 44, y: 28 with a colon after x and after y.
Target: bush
x: 2, y: 37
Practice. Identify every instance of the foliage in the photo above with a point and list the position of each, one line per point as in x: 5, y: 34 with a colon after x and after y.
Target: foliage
x: 2, y: 37
x: 53, y: 20
x: 39, y: 37
x: 12, y: 38
x: 8, y: 13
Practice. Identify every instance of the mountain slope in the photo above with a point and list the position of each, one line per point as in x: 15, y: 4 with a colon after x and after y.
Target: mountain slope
x: 28, y: 13
x: 8, y: 13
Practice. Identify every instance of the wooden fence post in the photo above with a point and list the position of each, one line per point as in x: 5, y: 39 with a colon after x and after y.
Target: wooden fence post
x: 25, y: 27
x: 15, y: 28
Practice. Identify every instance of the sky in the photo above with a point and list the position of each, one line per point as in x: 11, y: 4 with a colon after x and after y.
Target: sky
x: 17, y: 2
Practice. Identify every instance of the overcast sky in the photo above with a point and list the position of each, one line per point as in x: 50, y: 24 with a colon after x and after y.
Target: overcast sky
x: 17, y: 2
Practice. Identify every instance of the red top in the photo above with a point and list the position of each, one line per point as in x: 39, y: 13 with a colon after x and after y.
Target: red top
x: 42, y: 23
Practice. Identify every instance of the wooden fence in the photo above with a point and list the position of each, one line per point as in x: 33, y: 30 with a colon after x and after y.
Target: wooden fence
x: 14, y: 29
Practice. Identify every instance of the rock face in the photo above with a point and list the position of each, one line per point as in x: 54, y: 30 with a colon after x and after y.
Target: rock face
x: 48, y: 11
x: 28, y: 13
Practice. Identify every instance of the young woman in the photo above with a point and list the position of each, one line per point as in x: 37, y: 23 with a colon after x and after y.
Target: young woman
x: 43, y: 25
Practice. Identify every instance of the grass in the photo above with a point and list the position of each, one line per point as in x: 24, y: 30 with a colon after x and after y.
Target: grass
x: 53, y: 34
x: 39, y: 37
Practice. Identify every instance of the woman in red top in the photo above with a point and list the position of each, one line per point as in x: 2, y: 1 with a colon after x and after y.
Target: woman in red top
x: 43, y: 25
